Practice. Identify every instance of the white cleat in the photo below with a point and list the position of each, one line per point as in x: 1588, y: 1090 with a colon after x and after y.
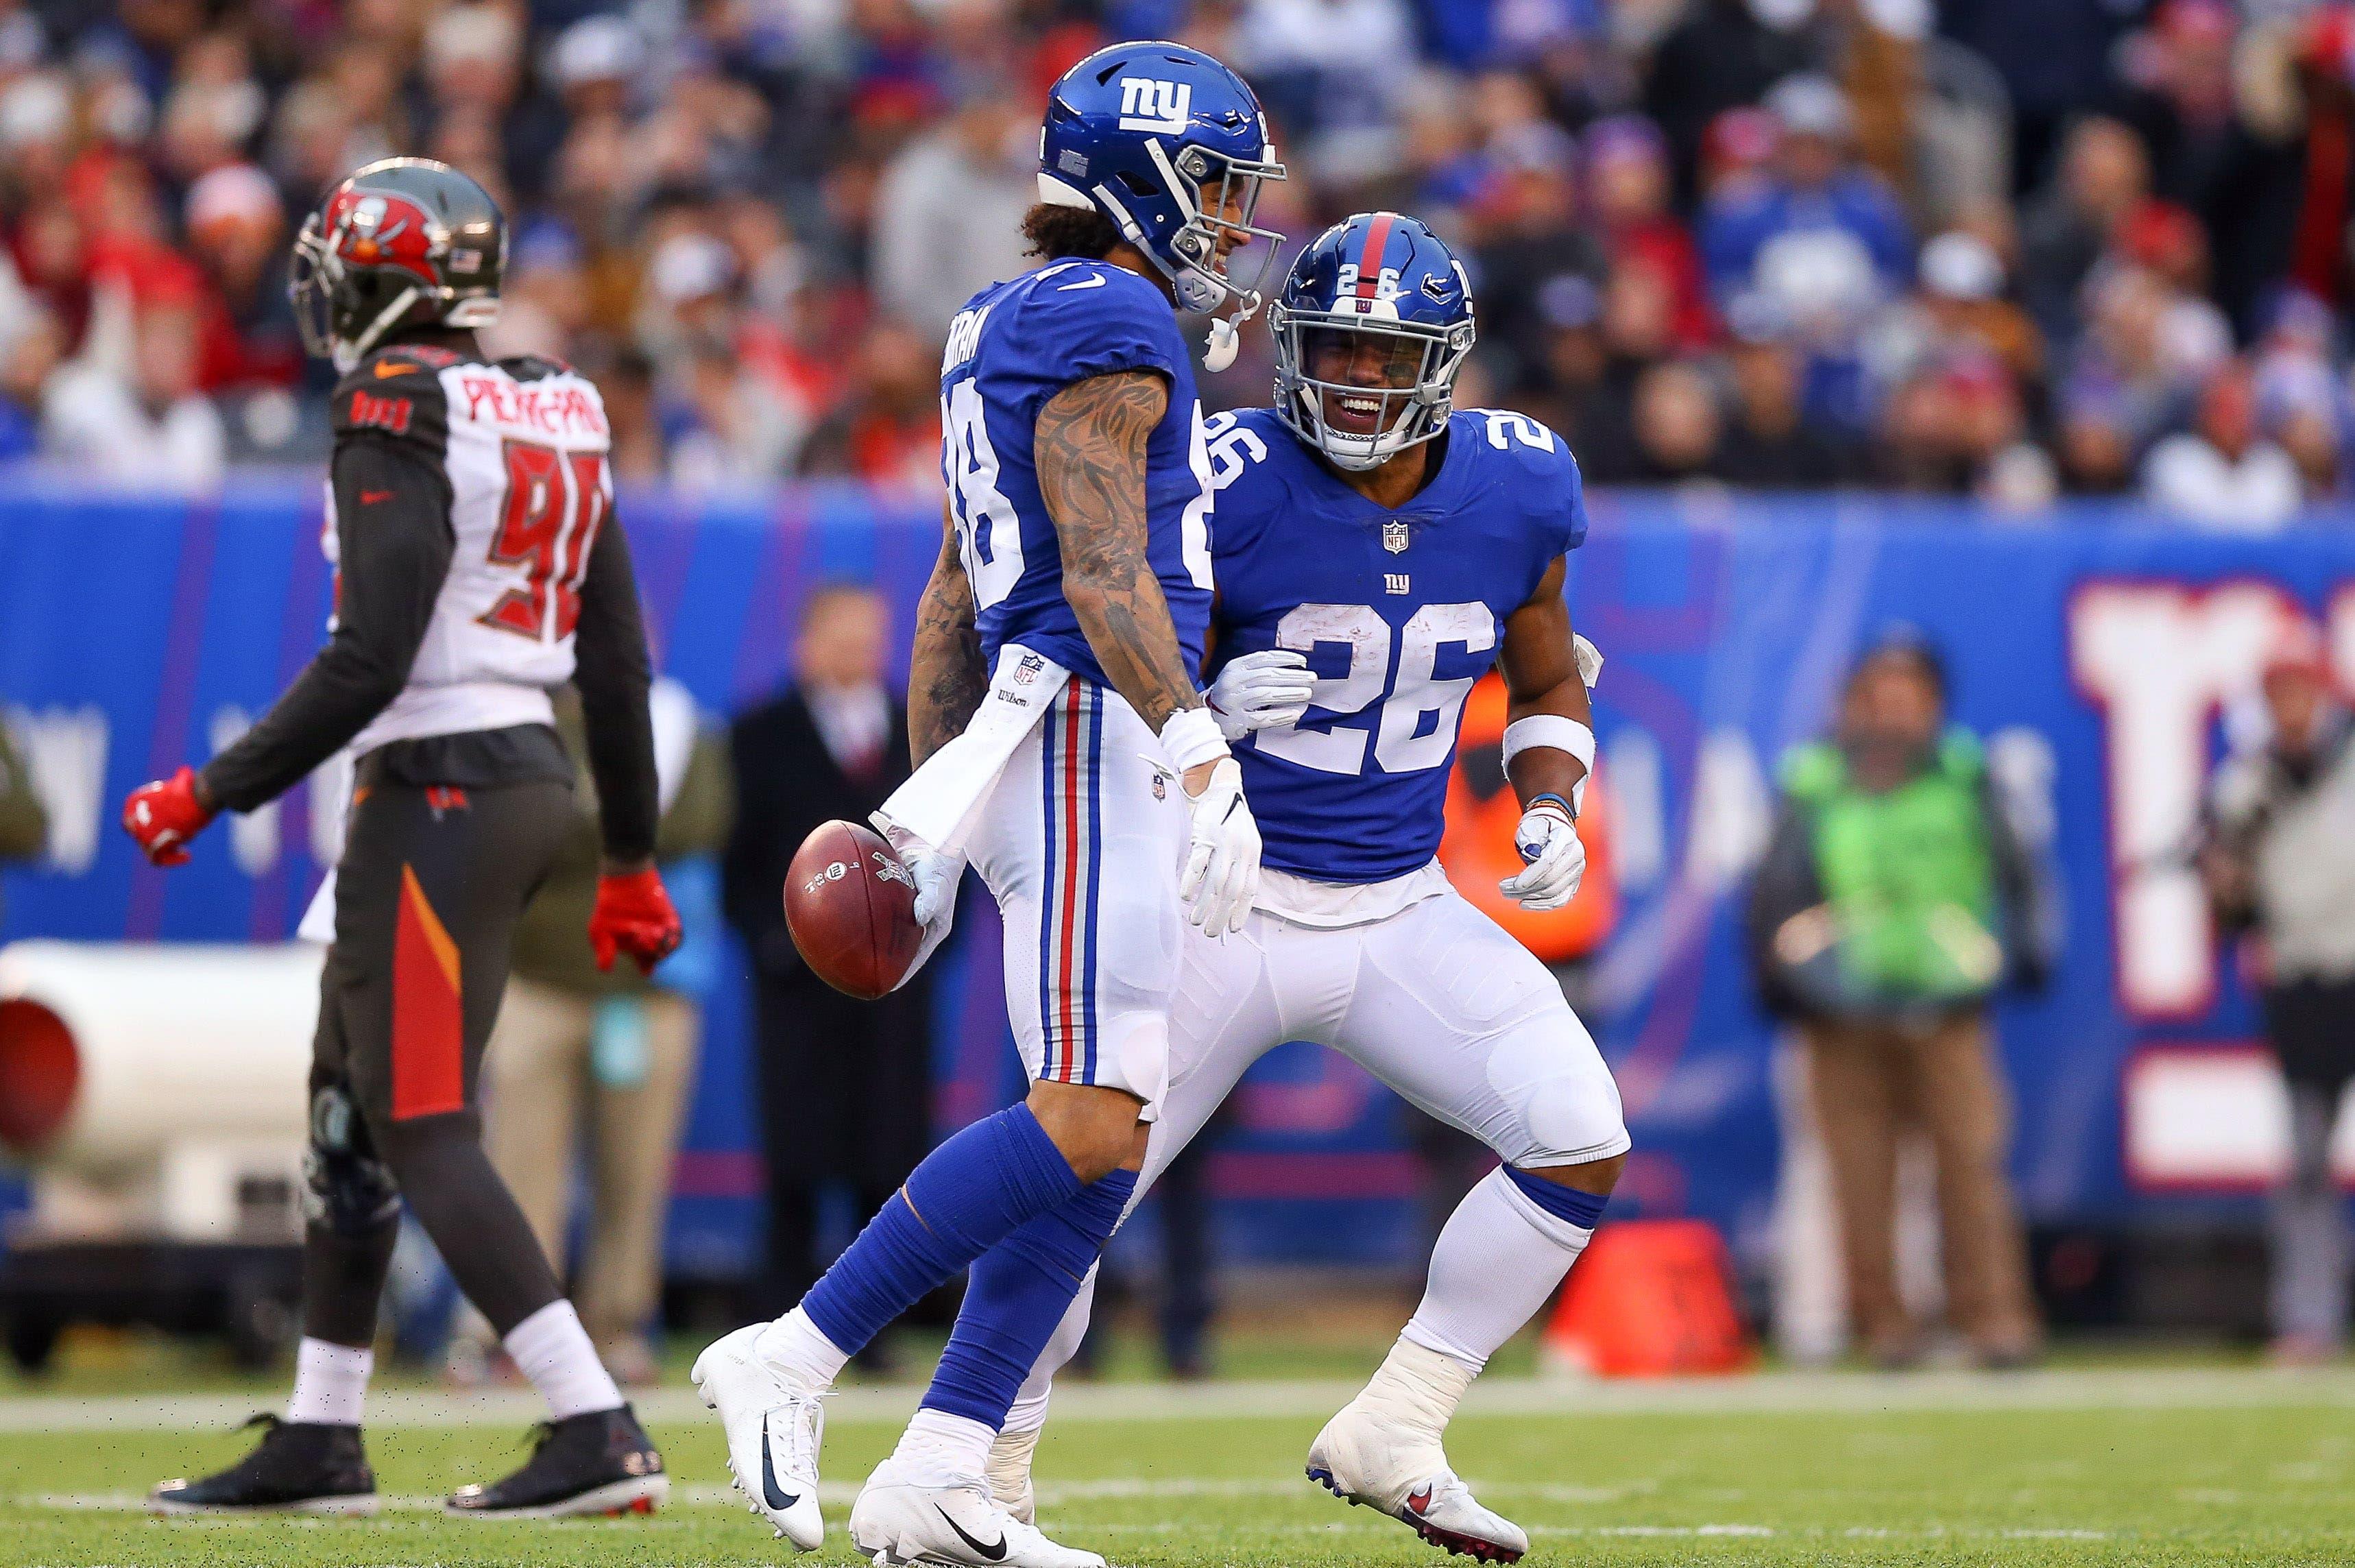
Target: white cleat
x: 774, y: 1430
x: 1405, y: 1475
x: 900, y: 1519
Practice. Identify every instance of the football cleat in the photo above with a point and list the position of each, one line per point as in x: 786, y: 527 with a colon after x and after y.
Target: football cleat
x: 900, y: 1519
x: 773, y: 1432
x: 1405, y: 1475
x: 301, y: 1466
x: 600, y: 1462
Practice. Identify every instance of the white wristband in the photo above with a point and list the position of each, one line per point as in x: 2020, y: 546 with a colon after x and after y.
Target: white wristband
x: 1550, y: 730
x: 1191, y: 738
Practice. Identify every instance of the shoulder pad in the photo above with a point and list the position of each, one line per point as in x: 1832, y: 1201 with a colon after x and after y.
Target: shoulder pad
x: 395, y: 391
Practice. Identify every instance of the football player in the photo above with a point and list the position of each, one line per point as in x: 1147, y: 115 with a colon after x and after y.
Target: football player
x: 1063, y: 749
x: 1398, y: 548
x: 477, y: 564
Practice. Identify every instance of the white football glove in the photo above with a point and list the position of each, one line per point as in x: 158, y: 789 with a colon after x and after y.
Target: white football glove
x: 1259, y: 691
x: 936, y: 874
x: 1222, y: 860
x: 1554, y: 857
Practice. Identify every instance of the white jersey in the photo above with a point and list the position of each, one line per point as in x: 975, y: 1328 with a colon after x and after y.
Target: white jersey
x: 523, y: 444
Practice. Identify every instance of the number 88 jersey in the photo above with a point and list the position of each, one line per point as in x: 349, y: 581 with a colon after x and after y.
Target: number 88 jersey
x: 517, y: 450
x: 1010, y: 350
x: 1398, y: 611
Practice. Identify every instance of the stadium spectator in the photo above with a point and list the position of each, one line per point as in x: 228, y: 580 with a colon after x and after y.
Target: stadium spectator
x: 2222, y: 474
x: 1723, y: 55
x: 1675, y: 431
x: 1629, y: 184
x: 948, y: 216
x: 2278, y: 862
x: 887, y: 430
x: 2104, y: 174
x: 599, y: 1063
x: 1769, y: 445
x: 1893, y: 901
x: 149, y: 428
x: 843, y: 1085
x: 1821, y: 234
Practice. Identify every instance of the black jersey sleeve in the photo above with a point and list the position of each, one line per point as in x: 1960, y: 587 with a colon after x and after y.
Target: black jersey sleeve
x: 392, y: 528
x: 613, y: 673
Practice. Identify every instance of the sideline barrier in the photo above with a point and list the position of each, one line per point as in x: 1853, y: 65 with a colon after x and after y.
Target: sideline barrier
x: 2103, y: 658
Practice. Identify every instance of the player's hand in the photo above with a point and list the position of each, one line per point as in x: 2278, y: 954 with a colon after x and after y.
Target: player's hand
x: 164, y: 815
x: 633, y: 915
x: 1554, y: 859
x: 1222, y: 860
x: 1259, y: 691
x: 936, y: 876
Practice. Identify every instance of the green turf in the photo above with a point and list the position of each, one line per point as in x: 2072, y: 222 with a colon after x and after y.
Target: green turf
x: 2250, y: 1486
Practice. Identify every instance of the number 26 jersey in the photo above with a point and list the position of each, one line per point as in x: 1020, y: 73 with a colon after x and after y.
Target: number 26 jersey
x: 1010, y: 350
x: 1398, y: 611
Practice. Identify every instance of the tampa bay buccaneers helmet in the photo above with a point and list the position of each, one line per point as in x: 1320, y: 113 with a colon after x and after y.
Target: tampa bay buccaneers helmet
x: 404, y: 242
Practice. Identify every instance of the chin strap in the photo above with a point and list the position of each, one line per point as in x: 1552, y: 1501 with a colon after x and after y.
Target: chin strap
x: 1226, y: 336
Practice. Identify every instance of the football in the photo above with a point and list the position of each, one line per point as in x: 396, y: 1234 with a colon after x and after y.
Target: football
x: 851, y: 906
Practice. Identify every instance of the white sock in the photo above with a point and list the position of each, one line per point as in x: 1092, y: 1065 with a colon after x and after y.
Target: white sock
x: 1499, y: 1259
x: 553, y: 1351
x: 799, y: 1351
x: 945, y: 1447
x: 330, y: 1381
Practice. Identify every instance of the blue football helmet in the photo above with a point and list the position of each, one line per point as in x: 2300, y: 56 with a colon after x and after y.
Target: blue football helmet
x: 1137, y: 131
x: 1374, y: 322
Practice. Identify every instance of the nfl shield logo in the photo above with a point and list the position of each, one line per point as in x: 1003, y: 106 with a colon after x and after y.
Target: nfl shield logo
x: 1394, y: 538
x: 1027, y: 670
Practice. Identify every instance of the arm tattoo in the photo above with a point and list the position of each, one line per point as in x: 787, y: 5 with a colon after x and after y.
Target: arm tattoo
x: 946, y: 677
x: 1089, y: 451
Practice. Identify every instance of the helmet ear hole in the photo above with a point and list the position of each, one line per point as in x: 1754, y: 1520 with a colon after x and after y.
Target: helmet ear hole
x: 1136, y: 183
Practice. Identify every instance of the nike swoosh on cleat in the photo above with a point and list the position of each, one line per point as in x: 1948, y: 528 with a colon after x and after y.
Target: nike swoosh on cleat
x: 993, y: 1550
x: 370, y: 497
x: 1420, y: 1500
x: 777, y: 1497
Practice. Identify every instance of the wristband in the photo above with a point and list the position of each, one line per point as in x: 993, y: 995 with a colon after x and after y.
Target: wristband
x: 1550, y: 730
x: 1191, y: 738
x: 1536, y: 800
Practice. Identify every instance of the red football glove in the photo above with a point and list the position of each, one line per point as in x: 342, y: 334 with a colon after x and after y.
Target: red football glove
x: 165, y: 815
x: 633, y: 916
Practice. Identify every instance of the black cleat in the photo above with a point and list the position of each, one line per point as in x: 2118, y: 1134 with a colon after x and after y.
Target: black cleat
x: 602, y: 1462
x: 302, y: 1467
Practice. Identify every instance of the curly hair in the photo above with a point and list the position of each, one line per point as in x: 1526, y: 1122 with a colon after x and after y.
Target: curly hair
x: 1058, y: 233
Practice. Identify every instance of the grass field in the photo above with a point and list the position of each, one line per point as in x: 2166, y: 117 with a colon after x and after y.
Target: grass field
x: 2100, y: 1465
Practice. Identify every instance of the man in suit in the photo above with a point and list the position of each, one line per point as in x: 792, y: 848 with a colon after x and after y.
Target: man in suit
x: 845, y: 1085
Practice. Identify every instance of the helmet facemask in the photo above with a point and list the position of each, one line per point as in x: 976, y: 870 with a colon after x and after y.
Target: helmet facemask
x: 1359, y: 420
x: 342, y: 312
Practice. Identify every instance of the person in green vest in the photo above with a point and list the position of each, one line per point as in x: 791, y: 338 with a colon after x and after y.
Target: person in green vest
x: 1894, y: 900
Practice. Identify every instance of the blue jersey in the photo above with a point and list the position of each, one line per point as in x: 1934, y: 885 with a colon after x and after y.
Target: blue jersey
x: 1011, y: 348
x: 1399, y: 611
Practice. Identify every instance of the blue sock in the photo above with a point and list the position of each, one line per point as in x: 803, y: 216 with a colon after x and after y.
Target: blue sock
x: 1581, y: 1209
x: 1019, y: 1291
x: 963, y: 1198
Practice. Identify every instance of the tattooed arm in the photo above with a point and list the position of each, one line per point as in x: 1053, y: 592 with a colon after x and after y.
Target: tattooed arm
x: 1091, y: 455
x: 946, y: 677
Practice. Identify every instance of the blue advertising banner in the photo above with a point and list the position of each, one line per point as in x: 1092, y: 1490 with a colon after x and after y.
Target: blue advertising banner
x: 2104, y: 659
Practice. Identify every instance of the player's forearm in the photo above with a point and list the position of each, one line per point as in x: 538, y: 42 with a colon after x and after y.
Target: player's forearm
x: 1091, y: 454
x: 614, y: 672
x: 947, y: 678
x: 1539, y: 661
x: 1550, y: 770
x: 1128, y: 626
x: 392, y: 520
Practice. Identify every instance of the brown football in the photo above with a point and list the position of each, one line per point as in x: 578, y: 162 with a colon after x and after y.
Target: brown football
x: 851, y: 906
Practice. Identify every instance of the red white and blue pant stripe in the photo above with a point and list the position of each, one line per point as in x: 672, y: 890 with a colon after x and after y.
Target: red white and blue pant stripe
x: 1072, y: 737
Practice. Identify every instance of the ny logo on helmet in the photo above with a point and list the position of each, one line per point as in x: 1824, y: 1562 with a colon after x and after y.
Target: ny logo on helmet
x: 1149, y: 105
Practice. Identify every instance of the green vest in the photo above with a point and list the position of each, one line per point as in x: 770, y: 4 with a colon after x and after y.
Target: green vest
x: 1907, y: 874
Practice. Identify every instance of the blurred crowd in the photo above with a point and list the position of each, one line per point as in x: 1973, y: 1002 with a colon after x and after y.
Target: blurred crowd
x: 2015, y: 249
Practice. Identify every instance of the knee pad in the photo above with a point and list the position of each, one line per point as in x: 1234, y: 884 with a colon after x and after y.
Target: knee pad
x: 344, y: 1187
x: 1565, y: 1105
